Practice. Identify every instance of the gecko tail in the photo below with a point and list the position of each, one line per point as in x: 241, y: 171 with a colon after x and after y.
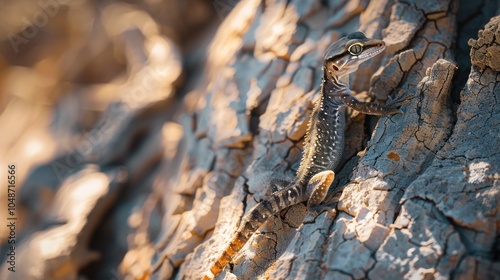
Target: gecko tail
x: 253, y: 220
x: 206, y: 277
x: 234, y: 247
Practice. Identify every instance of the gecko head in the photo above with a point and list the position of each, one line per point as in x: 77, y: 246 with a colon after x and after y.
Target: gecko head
x: 346, y: 54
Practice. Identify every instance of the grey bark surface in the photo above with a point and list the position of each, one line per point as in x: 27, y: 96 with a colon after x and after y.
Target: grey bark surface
x: 420, y: 201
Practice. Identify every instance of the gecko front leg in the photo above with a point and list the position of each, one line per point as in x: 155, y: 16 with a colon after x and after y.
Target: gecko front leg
x: 370, y: 108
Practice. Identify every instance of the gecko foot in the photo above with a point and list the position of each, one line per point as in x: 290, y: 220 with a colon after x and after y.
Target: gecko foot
x: 394, y: 104
x: 398, y: 101
x: 318, y: 187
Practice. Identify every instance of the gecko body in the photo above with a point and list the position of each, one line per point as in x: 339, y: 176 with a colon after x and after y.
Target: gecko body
x: 324, y: 143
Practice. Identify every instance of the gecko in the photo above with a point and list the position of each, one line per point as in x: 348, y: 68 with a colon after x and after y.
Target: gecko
x: 324, y: 140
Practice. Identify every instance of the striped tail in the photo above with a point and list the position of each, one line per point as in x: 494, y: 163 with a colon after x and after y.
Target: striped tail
x: 252, y: 221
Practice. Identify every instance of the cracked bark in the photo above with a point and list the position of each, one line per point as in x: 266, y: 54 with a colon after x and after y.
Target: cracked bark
x: 420, y: 201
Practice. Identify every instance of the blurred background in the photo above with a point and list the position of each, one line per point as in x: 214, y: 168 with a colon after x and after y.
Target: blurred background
x: 84, y: 82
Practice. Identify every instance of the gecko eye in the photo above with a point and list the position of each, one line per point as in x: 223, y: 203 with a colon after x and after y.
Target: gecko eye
x: 355, y: 49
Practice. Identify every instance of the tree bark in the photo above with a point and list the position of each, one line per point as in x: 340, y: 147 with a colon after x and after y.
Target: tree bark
x: 419, y: 201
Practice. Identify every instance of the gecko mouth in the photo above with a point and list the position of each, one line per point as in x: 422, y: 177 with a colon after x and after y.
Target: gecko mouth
x: 372, y: 51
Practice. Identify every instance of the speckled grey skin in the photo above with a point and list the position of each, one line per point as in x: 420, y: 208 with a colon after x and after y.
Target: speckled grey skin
x: 324, y: 142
